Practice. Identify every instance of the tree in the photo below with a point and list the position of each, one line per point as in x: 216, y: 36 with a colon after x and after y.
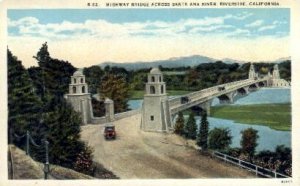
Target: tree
x: 202, y: 137
x: 191, y: 127
x: 219, y: 138
x: 98, y: 108
x: 23, y: 104
x: 249, y: 142
x: 115, y: 88
x: 93, y: 76
x: 179, y: 125
x: 59, y: 123
x: 52, y: 76
x: 63, y: 134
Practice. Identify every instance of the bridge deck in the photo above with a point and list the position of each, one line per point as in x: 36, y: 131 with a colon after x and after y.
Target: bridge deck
x: 199, y: 97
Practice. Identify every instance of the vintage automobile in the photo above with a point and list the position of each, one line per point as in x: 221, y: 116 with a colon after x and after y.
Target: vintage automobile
x: 109, y: 131
x: 220, y: 88
x: 184, y: 99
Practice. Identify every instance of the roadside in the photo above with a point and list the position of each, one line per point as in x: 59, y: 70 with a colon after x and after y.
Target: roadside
x: 138, y: 154
x: 24, y: 167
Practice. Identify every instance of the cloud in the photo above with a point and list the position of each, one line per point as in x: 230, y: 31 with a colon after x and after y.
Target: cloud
x: 94, y: 41
x: 267, y: 27
x: 104, y: 29
x: 255, y: 23
x: 242, y: 16
x: 239, y: 32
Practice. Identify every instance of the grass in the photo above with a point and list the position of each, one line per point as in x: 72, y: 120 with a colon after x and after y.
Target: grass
x: 275, y: 116
x: 139, y: 94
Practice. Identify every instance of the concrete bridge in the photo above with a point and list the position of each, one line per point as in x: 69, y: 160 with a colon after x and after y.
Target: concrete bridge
x: 158, y: 110
x: 225, y: 92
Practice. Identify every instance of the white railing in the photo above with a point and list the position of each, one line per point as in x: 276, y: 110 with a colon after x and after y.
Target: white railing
x: 195, y: 97
x: 249, y: 166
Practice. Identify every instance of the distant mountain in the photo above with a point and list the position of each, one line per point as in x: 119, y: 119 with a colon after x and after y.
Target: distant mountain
x: 179, y: 62
x: 171, y: 63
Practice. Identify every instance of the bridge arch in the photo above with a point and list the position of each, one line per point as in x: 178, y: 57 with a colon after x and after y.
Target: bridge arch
x: 262, y: 84
x: 242, y: 91
x: 224, y: 99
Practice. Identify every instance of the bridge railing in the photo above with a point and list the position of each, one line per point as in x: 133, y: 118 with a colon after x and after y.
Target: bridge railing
x: 205, y: 92
x: 195, y: 97
x: 249, y: 166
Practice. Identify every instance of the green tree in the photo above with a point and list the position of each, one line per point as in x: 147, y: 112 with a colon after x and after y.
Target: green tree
x: 179, y: 125
x: 202, y: 137
x: 219, y: 138
x: 249, y: 142
x: 93, y: 76
x: 191, y: 127
x: 115, y: 88
x: 60, y: 123
x: 52, y: 76
x: 63, y: 134
x: 23, y: 104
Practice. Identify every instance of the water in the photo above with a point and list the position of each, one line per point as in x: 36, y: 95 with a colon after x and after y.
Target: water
x: 263, y: 96
x: 268, y: 138
x: 135, y: 104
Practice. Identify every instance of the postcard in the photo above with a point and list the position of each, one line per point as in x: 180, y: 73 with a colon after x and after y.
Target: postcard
x: 150, y: 92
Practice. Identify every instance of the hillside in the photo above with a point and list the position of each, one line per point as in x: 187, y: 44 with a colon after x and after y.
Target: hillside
x: 180, y: 62
x: 171, y: 63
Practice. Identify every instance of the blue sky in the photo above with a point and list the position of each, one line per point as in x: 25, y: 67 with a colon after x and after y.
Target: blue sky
x: 146, y: 28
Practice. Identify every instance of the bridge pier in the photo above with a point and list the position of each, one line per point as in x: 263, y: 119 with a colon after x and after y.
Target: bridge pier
x: 206, y: 106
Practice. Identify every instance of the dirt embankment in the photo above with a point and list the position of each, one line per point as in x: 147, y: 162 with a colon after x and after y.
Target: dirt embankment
x: 138, y: 154
x: 24, y: 167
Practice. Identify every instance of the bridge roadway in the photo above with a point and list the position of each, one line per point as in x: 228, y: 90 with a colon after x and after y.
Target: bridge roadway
x: 205, y: 95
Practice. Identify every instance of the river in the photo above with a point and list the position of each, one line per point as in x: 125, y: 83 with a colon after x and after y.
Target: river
x: 268, y: 138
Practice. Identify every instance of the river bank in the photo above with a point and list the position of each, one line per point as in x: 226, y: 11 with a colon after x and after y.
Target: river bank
x: 276, y: 116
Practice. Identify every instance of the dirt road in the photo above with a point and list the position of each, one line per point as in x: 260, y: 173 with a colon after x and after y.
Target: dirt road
x: 138, y: 154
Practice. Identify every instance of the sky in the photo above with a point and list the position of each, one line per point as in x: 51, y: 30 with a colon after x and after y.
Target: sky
x: 86, y: 37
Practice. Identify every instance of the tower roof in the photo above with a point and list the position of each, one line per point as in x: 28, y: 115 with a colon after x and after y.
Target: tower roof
x: 78, y: 73
x: 155, y: 71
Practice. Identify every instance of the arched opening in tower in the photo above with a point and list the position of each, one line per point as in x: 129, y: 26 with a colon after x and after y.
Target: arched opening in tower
x: 152, y: 90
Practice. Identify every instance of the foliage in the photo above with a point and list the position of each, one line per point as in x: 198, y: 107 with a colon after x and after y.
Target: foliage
x: 179, y: 125
x: 48, y: 116
x: 249, y: 141
x: 280, y: 160
x: 84, y: 163
x: 115, y: 88
x: 219, y: 138
x: 93, y: 76
x: 53, y: 76
x: 23, y: 104
x: 206, y: 74
x: 191, y: 127
x: 98, y: 108
x: 202, y: 137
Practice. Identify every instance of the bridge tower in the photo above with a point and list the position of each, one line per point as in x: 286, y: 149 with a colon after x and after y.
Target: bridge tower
x: 79, y: 97
x: 276, y: 74
x: 155, y: 112
x: 252, y: 74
